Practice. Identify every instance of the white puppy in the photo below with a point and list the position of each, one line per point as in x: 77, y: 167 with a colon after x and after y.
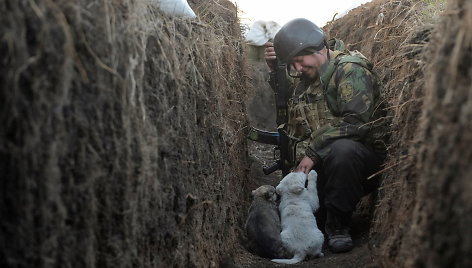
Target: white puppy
x: 300, y: 234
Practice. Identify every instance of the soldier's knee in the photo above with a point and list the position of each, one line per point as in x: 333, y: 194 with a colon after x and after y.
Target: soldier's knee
x: 343, y: 150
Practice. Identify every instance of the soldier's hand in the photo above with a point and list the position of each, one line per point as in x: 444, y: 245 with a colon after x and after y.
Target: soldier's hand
x: 270, y: 56
x: 305, y: 165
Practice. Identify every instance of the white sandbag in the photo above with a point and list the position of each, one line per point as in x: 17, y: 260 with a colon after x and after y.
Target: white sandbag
x: 262, y: 31
x: 179, y: 8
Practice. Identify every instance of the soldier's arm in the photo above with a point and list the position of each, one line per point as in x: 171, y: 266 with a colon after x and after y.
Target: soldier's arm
x: 353, y: 103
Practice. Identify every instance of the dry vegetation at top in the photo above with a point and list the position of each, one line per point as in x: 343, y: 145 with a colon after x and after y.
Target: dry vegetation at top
x: 122, y: 139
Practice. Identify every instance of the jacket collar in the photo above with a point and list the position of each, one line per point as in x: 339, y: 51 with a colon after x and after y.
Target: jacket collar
x: 326, y: 72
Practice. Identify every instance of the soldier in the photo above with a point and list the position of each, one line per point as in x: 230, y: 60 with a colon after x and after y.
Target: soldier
x: 336, y: 120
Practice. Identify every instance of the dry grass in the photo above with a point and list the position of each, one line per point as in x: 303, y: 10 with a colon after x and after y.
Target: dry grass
x: 441, y: 217
x: 122, y: 137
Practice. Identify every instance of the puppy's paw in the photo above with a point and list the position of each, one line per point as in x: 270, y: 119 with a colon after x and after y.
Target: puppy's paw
x: 313, y: 176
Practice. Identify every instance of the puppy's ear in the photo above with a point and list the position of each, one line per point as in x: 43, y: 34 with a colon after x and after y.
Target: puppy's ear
x: 253, y: 192
x: 296, y: 189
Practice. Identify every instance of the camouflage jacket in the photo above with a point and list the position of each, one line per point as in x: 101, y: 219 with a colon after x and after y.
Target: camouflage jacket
x: 352, y: 93
x: 343, y: 103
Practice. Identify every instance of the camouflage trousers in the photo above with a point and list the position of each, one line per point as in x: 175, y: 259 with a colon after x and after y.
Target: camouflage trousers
x: 342, y: 178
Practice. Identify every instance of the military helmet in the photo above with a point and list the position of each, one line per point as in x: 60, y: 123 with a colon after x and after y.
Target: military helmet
x: 298, y: 37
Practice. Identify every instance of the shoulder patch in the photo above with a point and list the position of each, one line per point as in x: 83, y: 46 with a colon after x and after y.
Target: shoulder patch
x: 346, y: 91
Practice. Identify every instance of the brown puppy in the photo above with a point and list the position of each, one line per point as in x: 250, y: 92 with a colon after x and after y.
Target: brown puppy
x: 263, y: 224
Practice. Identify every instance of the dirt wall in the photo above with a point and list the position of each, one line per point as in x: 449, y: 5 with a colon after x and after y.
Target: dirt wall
x: 122, y: 139
x: 439, y: 233
x: 261, y: 107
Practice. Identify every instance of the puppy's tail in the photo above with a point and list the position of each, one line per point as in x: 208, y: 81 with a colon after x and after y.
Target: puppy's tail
x: 298, y: 257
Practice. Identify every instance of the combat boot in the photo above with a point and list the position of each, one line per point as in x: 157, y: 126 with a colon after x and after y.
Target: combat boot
x: 339, y: 239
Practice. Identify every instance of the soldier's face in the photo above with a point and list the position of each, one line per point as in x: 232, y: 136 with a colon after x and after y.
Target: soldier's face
x: 309, y: 64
